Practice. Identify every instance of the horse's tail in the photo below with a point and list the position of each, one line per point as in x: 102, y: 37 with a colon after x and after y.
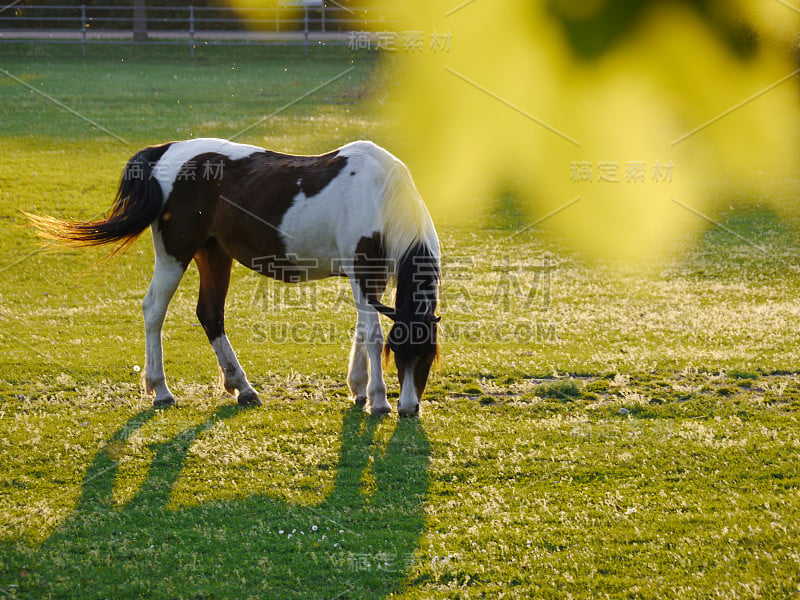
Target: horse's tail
x: 138, y: 203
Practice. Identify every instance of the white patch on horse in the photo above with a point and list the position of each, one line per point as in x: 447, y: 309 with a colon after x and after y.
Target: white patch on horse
x: 168, y: 167
x: 328, y: 225
x: 408, y: 403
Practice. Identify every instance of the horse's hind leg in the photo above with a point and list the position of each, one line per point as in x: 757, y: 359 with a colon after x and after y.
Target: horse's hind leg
x: 166, y: 277
x: 214, y: 265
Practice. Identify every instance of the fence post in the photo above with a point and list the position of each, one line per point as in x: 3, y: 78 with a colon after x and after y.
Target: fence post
x: 191, y: 27
x: 322, y: 11
x: 83, y: 28
x: 305, y: 27
x: 140, y: 21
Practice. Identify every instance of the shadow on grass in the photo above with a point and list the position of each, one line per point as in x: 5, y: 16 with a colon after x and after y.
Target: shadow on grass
x: 356, y: 544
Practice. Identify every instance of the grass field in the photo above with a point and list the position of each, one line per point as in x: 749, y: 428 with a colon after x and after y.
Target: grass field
x: 593, y: 430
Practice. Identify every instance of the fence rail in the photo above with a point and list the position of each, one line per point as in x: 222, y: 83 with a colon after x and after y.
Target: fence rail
x: 306, y: 23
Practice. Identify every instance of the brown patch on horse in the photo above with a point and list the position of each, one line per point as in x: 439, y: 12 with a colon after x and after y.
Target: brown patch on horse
x: 371, y: 267
x: 255, y: 193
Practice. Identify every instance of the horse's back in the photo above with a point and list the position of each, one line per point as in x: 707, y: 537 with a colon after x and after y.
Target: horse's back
x: 268, y: 206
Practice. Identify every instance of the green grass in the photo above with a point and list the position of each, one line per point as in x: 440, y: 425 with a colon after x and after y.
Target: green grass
x: 592, y: 430
x: 149, y: 96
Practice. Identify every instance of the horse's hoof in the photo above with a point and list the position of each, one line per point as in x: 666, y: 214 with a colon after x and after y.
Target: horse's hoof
x: 379, y: 411
x: 360, y: 400
x: 165, y: 402
x: 413, y: 412
x: 249, y: 399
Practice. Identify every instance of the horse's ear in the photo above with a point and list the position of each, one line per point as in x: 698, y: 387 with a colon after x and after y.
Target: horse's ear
x: 384, y: 310
x: 435, y: 319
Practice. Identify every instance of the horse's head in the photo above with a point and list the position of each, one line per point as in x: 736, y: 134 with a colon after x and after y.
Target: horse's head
x: 413, y: 336
x: 413, y: 341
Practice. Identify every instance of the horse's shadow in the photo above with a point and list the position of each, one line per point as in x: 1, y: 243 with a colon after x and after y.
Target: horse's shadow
x: 355, y: 544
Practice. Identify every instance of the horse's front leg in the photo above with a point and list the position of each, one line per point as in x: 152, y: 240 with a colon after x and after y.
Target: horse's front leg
x: 373, y: 344
x: 365, y: 374
x: 358, y: 369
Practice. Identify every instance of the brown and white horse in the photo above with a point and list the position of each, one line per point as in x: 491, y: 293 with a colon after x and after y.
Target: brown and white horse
x: 353, y: 212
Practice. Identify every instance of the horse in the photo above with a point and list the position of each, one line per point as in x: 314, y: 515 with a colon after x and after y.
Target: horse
x: 352, y: 212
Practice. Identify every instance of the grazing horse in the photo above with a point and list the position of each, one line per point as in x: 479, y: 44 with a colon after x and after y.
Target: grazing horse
x: 352, y: 212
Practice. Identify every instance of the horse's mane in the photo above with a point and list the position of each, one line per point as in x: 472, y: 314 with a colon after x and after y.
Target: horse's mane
x: 406, y: 220
x: 412, y: 247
